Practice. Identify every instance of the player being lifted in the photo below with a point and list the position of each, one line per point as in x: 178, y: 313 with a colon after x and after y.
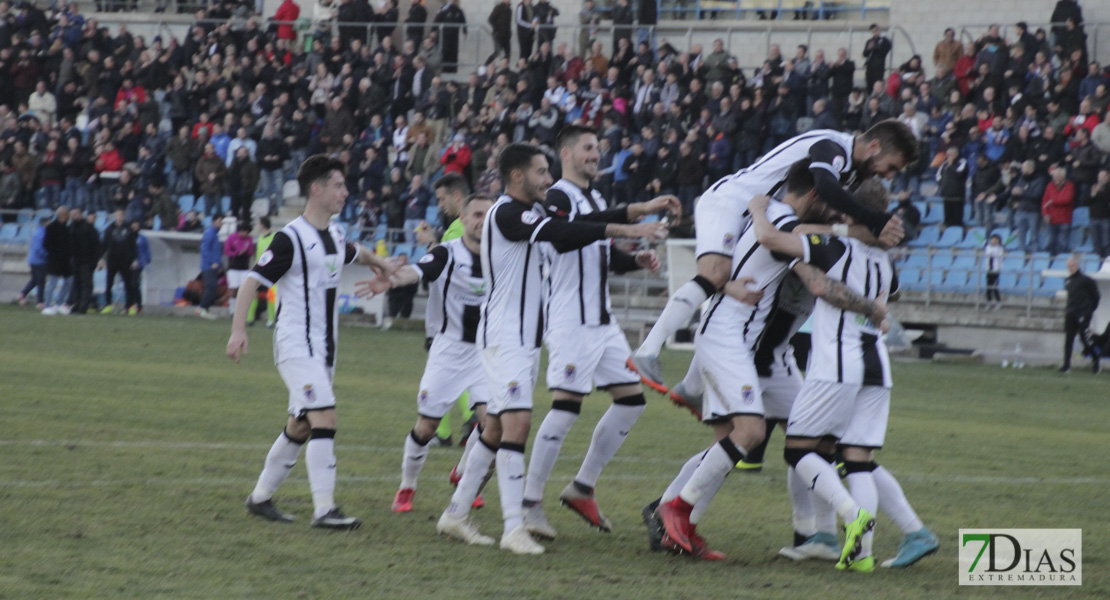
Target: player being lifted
x: 724, y: 352
x: 846, y: 395
x: 305, y: 260
x: 453, y: 271
x: 511, y: 329
x: 721, y: 213
x: 585, y: 345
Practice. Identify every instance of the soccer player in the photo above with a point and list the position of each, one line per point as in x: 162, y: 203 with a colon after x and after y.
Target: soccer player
x: 585, y: 345
x: 305, y: 261
x: 453, y: 271
x: 511, y: 329
x: 846, y: 395
x: 724, y: 348
x: 721, y: 214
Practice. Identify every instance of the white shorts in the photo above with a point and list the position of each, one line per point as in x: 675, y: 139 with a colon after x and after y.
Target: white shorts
x: 309, y: 381
x: 854, y: 414
x: 867, y: 429
x: 580, y: 357
x: 730, y: 379
x: 511, y: 374
x: 235, y: 278
x: 779, y: 392
x: 718, y: 222
x: 453, y: 368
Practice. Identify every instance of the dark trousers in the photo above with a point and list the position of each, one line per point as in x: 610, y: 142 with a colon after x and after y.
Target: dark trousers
x: 953, y: 211
x: 400, y: 301
x: 1076, y: 325
x: 211, y: 278
x: 992, y: 287
x: 124, y: 271
x: 525, y: 37
x: 80, y: 296
x: 37, y: 283
x: 501, y: 46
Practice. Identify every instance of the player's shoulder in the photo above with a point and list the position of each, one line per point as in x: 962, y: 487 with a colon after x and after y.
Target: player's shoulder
x: 780, y: 211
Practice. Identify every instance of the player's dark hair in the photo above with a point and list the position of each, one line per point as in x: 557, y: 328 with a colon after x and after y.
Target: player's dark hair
x: 872, y: 195
x: 516, y: 156
x: 453, y: 182
x: 894, y: 136
x: 570, y: 134
x: 264, y: 222
x: 477, y: 197
x: 315, y: 168
x: 799, y: 179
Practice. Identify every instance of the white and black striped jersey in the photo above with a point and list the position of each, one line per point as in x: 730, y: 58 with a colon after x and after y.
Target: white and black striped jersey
x: 578, y: 290
x: 455, y: 290
x: 766, y: 268
x: 512, y: 313
x: 306, y: 264
x: 793, y: 305
x: 848, y: 347
x: 825, y: 149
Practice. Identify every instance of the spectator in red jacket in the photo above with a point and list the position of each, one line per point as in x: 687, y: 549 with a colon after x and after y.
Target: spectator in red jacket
x: 456, y: 157
x: 1086, y: 119
x: 1056, y: 207
x: 129, y: 93
x: 288, y: 11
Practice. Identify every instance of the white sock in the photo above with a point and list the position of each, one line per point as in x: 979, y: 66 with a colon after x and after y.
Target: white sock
x: 510, y: 479
x: 707, y: 478
x: 692, y: 382
x: 821, y: 477
x: 801, y: 502
x: 545, y: 450
x: 703, y: 503
x: 824, y: 517
x: 863, y: 490
x: 477, y: 467
x: 279, y: 461
x: 609, y: 434
x: 680, y: 308
x: 319, y: 457
x: 892, y: 500
x: 470, y: 443
x: 683, y: 476
x: 412, y: 461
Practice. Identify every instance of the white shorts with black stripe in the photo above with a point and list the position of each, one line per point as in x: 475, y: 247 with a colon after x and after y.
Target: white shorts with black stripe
x: 718, y: 221
x: 310, y: 385
x: 584, y: 356
x: 453, y: 368
x: 511, y: 374
x: 854, y: 414
x: 731, y: 382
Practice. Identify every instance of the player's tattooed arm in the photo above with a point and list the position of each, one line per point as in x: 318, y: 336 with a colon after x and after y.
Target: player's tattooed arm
x: 838, y: 294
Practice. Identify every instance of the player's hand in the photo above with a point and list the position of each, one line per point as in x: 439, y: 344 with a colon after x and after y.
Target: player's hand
x: 739, y: 290
x: 759, y: 204
x: 652, y: 232
x: 892, y: 233
x: 237, y: 345
x: 372, y: 287
x: 667, y: 202
x: 648, y: 259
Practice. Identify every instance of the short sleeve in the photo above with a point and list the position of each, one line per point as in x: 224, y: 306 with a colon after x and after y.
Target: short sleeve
x: 432, y: 264
x: 352, y: 252
x: 822, y: 251
x: 275, y: 261
x: 828, y: 155
x: 785, y: 225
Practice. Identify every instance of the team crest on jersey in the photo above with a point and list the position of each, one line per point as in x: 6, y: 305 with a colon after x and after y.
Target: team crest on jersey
x: 514, y: 390
x: 838, y: 163
x: 729, y: 241
x: 265, y: 259
x: 529, y: 218
x: 569, y: 372
x: 427, y: 258
x: 815, y: 239
x: 309, y: 393
x: 747, y: 394
x: 423, y: 397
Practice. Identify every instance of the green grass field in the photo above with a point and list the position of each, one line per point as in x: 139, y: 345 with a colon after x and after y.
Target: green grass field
x: 129, y: 445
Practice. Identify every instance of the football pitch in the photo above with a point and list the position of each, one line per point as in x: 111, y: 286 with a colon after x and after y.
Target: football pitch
x: 130, y: 443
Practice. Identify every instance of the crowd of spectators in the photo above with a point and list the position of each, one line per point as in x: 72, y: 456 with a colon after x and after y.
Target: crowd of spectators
x: 112, y: 120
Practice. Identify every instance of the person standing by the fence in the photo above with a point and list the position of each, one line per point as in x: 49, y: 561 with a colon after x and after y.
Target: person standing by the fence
x: 993, y: 254
x: 525, y: 27
x: 501, y: 22
x: 874, y: 55
x: 453, y: 22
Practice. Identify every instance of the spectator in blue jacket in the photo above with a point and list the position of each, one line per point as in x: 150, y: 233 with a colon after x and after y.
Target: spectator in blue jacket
x: 36, y: 259
x: 211, y: 261
x: 143, y: 259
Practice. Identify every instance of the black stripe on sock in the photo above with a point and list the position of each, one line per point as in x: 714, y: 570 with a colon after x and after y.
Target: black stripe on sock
x: 322, y: 434
x: 734, y: 453
x: 491, y: 448
x: 793, y: 456
x: 512, y: 447
x: 291, y: 438
x: 634, y: 400
x: 851, y: 466
x: 569, y: 406
x: 415, y: 438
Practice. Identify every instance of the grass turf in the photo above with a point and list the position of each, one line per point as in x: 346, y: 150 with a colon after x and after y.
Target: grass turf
x: 130, y: 443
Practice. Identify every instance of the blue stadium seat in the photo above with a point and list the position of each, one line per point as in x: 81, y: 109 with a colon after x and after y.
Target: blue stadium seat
x: 909, y: 278
x: 955, y: 281
x: 1014, y: 264
x: 417, y: 253
x: 9, y: 232
x: 43, y: 213
x: 933, y: 211
x: 207, y: 222
x: 25, y: 232
x: 1090, y: 263
x: 965, y: 261
x: 1049, y: 286
x: 976, y: 238
x: 1081, y: 216
x: 1080, y: 241
x: 1009, y: 238
x: 186, y: 203
x: 199, y: 205
x: 157, y: 223
x: 431, y: 215
x: 225, y: 204
x: 934, y: 279
x: 400, y: 249
x: 26, y: 215
x: 928, y: 237
x: 950, y: 237
x: 1010, y: 283
x: 917, y: 260
x: 102, y: 221
x: 941, y: 260
x: 381, y: 231
x: 1060, y: 263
